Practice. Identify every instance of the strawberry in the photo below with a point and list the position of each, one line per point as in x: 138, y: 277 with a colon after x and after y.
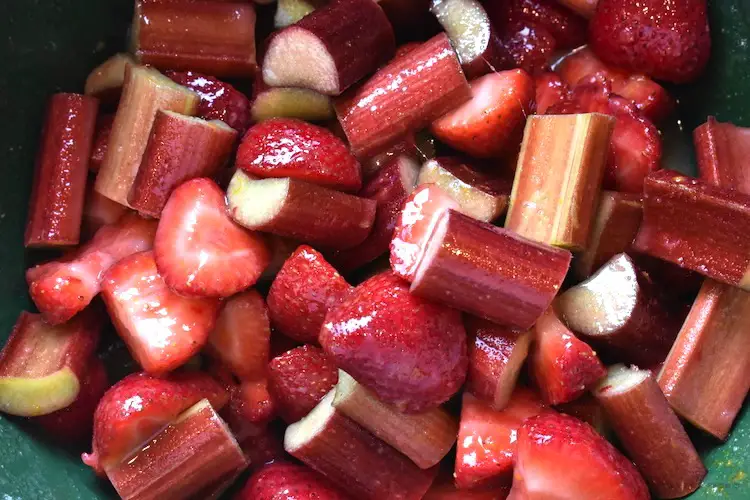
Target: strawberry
x: 199, y: 249
x: 98, y: 211
x: 445, y: 489
x: 302, y: 293
x: 266, y: 447
x: 285, y: 147
x: 298, y: 380
x: 530, y: 46
x: 140, y: 405
x: 491, y: 123
x: 419, y: 215
x: 242, y: 336
x: 250, y: 409
x: 550, y: 91
x: 410, y: 352
x: 563, y: 458
x: 74, y: 423
x: 486, y: 438
x: 61, y: 289
x: 562, y: 366
x: 664, y: 40
x: 567, y: 28
x: 162, y: 330
x: 219, y: 100
x: 281, y: 480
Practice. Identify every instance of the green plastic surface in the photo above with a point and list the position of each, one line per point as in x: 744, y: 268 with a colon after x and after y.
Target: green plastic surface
x: 48, y: 46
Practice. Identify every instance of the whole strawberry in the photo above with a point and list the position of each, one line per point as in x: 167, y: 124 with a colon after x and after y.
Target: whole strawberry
x: 665, y: 40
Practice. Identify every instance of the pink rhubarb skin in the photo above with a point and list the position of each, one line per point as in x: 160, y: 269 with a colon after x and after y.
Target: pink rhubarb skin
x: 696, y: 226
x: 722, y: 150
x: 489, y: 271
x: 406, y: 95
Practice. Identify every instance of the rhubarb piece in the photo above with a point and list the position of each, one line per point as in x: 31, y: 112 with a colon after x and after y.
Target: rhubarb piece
x: 562, y: 366
x: 42, y: 367
x: 250, y: 409
x: 425, y: 437
x: 61, y: 289
x: 496, y: 355
x: 404, y: 96
x: 706, y: 375
x: 242, y: 335
x: 180, y: 148
x: 298, y: 380
x: 299, y: 210
x: 487, y: 438
x: 355, y: 460
x: 382, y: 335
x: 589, y: 410
x: 218, y: 100
x: 622, y: 312
x: 62, y: 165
x: 304, y: 290
x: 289, y: 12
x: 390, y: 187
x: 289, y: 102
x: 139, y: 406
x: 478, y: 195
x: 444, y: 488
x: 673, y: 41
x: 563, y: 458
x: 106, y: 80
x: 550, y: 91
x: 415, y: 226
x: 491, y: 123
x: 584, y: 8
x: 418, y: 146
x: 477, y: 44
x: 199, y: 250
x: 696, y: 226
x: 217, y: 38
x: 722, y: 150
x: 489, y: 272
x: 650, y: 432
x: 74, y: 423
x: 101, y: 141
x: 284, y: 147
x: 194, y: 451
x: 287, y: 480
x: 331, y: 49
x: 145, y: 92
x: 162, y: 330
x: 615, y: 225
x: 559, y: 177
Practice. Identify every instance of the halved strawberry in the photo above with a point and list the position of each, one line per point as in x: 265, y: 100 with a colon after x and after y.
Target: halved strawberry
x: 530, y: 45
x: 560, y: 457
x: 162, y: 330
x: 139, y: 406
x: 415, y: 225
x: 562, y: 366
x: 250, y: 409
x: 242, y: 336
x: 550, y: 91
x: 199, y: 249
x: 285, y: 147
x: 492, y: 121
x: 62, y: 288
x: 487, y: 438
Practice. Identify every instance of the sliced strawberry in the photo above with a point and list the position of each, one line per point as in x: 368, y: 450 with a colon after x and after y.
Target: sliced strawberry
x: 242, y: 336
x: 530, y: 45
x: 250, y: 409
x: 418, y: 217
x: 491, y: 123
x: 61, y: 289
x: 298, y: 380
x: 487, y: 438
x: 562, y: 366
x: 285, y: 147
x: 302, y: 293
x: 279, y: 481
x: 162, y: 330
x: 550, y: 91
x: 199, y: 249
x: 664, y: 40
x: 560, y: 457
x: 139, y: 406
x: 74, y: 423
x: 219, y: 100
x: 568, y: 28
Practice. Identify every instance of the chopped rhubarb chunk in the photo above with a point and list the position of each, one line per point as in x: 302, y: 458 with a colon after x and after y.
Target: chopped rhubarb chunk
x: 722, y: 150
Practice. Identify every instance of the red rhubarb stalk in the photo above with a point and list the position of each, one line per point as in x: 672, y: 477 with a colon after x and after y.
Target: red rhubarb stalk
x: 101, y: 141
x: 106, y: 80
x: 722, y: 150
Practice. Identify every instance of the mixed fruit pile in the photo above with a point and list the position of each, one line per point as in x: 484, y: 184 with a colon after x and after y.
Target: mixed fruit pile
x: 433, y: 255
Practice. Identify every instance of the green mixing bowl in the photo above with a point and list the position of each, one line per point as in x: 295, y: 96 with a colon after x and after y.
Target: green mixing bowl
x: 50, y: 46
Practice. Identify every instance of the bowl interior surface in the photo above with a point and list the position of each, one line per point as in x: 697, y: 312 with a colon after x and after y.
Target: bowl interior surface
x: 50, y: 46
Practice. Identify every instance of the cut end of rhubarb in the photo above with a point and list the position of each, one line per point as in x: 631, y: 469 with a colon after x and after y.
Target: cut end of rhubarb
x: 621, y: 379
x: 255, y: 202
x: 299, y: 434
x: 35, y: 396
x: 297, y: 58
x: 467, y: 25
x: 108, y: 77
x: 289, y: 102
